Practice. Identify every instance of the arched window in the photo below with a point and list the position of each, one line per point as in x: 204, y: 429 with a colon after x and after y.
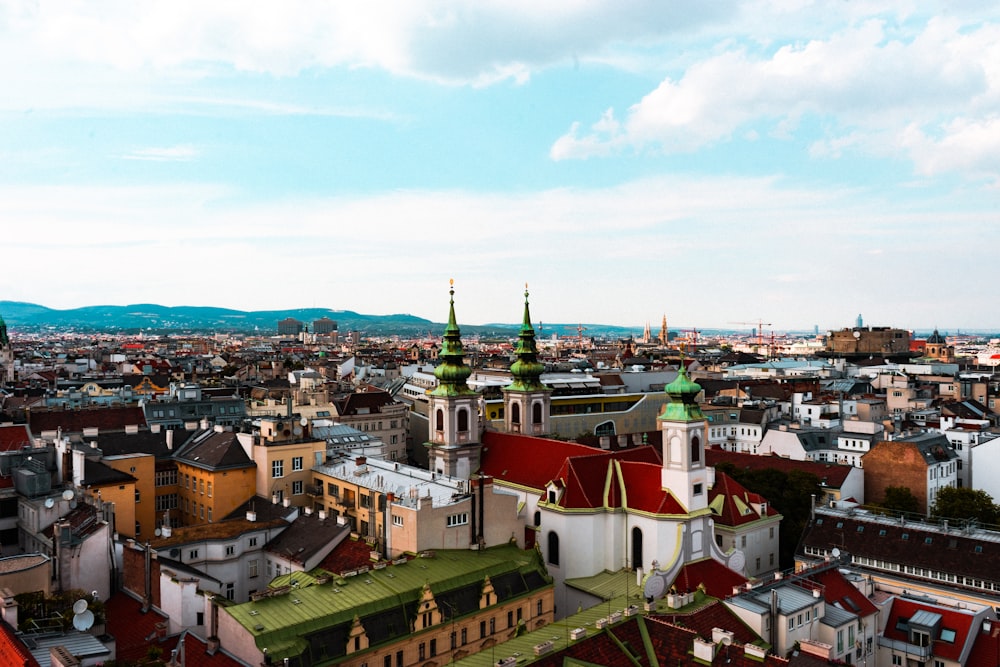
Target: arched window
x: 515, y: 413
x: 636, y: 547
x: 536, y: 413
x: 463, y: 420
x: 605, y: 428
x: 553, y: 549
x: 439, y: 420
x: 695, y: 449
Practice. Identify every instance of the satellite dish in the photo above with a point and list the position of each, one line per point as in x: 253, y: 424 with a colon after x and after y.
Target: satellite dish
x: 857, y: 334
x: 157, y: 532
x: 80, y: 606
x: 72, y: 504
x: 82, y: 622
x: 49, y: 503
x: 68, y: 494
x: 304, y: 421
x: 297, y: 430
x: 835, y: 553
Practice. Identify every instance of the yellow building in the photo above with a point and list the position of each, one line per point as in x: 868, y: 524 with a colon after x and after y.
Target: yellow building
x: 140, y: 496
x: 214, y: 476
x: 284, y: 453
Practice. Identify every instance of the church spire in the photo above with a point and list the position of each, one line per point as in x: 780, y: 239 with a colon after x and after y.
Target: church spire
x: 452, y: 371
x: 526, y: 369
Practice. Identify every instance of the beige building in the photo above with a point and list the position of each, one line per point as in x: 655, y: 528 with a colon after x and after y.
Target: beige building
x: 284, y: 451
x: 402, y: 509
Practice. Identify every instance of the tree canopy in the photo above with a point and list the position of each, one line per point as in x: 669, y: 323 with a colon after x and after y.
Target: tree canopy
x: 965, y: 503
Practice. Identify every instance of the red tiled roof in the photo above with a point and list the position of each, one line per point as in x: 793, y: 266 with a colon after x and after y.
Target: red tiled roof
x: 729, y: 489
x: 348, y: 555
x: 961, y: 623
x: 130, y: 627
x: 13, y: 652
x: 534, y: 462
x: 837, y: 591
x: 833, y: 474
x: 14, y: 437
x: 717, y: 579
x: 74, y: 421
x: 644, y: 490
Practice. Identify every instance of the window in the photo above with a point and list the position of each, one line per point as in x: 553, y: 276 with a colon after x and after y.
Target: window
x: 457, y: 519
x: 465, y: 636
x: 422, y: 651
x: 201, y: 485
x: 193, y: 554
x: 332, y: 490
x: 230, y: 549
x: 553, y: 548
x: 252, y: 542
x: 897, y: 659
x: 210, y: 514
x: 296, y: 463
x: 137, y: 498
x: 538, y: 608
x: 697, y: 489
x: 166, y: 477
x: 493, y: 626
x: 397, y: 520
x: 365, y: 500
x: 252, y: 568
x: 209, y: 489
x: 278, y: 468
x: 434, y: 647
x: 297, y: 487
x: 230, y: 591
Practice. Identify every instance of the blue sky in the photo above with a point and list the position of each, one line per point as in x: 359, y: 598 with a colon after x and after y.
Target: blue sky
x: 782, y: 160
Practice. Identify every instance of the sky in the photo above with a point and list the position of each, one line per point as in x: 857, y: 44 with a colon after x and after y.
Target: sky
x: 780, y: 161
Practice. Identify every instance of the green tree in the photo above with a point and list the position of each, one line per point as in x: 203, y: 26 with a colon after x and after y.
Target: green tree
x: 965, y: 503
x: 791, y: 494
x: 900, y: 499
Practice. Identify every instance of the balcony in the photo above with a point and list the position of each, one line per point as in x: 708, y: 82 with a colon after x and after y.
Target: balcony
x: 921, y: 653
x: 315, y: 490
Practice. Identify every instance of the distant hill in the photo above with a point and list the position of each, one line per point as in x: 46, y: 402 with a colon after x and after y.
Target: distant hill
x: 154, y: 318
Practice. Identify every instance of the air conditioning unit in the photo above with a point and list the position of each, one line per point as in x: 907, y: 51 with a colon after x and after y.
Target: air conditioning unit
x: 577, y: 633
x: 544, y: 647
x: 601, y: 623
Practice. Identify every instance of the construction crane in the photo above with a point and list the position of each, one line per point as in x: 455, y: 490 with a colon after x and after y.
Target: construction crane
x: 760, y: 324
x: 579, y: 333
x: 692, y: 337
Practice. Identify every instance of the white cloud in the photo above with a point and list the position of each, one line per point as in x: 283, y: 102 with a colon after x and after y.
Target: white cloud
x: 878, y: 88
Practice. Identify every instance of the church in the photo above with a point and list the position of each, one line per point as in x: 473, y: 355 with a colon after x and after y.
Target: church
x: 644, y: 509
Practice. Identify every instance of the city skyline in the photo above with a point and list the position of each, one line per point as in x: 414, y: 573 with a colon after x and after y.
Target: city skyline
x: 714, y: 163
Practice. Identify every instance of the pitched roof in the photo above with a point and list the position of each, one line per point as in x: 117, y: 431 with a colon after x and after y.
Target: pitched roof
x: 717, y: 579
x: 96, y: 473
x: 832, y: 474
x: 964, y: 623
x: 12, y: 649
x: 145, y: 442
x: 534, y: 462
x: 14, y: 437
x: 75, y: 421
x: 214, y: 450
x: 915, y: 544
x: 308, y: 537
x: 733, y: 505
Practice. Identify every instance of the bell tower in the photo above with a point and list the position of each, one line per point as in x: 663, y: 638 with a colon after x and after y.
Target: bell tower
x: 6, y: 355
x: 453, y: 408
x: 683, y: 425
x: 526, y: 400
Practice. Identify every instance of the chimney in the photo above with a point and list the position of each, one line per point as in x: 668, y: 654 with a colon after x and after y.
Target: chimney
x: 170, y: 439
x: 251, y: 515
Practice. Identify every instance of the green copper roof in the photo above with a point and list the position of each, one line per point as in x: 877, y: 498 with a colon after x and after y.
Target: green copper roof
x: 452, y: 371
x: 526, y: 369
x: 682, y: 393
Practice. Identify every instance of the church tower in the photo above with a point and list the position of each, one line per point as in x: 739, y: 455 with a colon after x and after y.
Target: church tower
x: 6, y: 355
x: 526, y: 400
x: 664, y: 336
x: 453, y: 408
x: 683, y: 426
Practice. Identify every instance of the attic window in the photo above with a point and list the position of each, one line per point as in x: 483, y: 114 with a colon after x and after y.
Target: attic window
x: 861, y: 529
x: 948, y: 635
x: 881, y: 532
x: 840, y: 524
x: 979, y: 548
x: 905, y: 536
x: 928, y: 540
